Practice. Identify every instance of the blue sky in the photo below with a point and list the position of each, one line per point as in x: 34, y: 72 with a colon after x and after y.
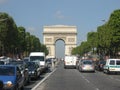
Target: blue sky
x: 87, y: 15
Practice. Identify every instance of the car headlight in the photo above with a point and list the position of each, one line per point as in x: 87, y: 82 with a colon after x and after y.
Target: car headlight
x: 9, y: 84
x: 31, y: 72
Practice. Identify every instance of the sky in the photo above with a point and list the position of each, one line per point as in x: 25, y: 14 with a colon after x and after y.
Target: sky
x: 86, y: 15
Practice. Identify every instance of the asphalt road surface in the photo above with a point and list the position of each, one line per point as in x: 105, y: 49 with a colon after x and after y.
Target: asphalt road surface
x: 72, y: 79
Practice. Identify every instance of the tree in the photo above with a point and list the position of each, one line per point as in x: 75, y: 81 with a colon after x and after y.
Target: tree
x: 21, y: 40
x: 92, y: 40
x: 15, y: 40
x: 8, y: 33
x: 28, y: 43
x: 44, y: 49
x: 114, y: 24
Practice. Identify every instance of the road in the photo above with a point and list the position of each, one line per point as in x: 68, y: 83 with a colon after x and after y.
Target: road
x: 72, y: 79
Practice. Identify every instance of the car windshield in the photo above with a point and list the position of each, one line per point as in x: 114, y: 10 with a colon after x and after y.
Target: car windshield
x: 87, y: 62
x: 26, y: 60
x: 7, y: 71
x: 49, y: 60
x: 36, y: 58
x: 31, y: 64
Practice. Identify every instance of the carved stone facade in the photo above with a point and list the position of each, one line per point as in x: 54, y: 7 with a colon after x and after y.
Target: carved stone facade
x: 60, y: 32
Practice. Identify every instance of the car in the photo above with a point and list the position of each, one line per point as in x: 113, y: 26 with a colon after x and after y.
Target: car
x: 34, y: 69
x: 99, y: 65
x: 11, y: 77
x: 78, y: 63
x: 87, y: 65
x: 21, y: 64
x: 26, y: 59
x: 112, y: 66
x: 40, y: 58
x: 49, y: 62
x: 5, y: 59
x: 70, y: 61
x: 2, y: 62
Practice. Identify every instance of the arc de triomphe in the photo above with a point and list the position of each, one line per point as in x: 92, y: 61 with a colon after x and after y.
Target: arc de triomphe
x: 59, y: 32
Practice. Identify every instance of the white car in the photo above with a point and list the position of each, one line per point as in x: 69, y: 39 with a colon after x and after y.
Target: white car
x: 112, y: 65
x: 70, y: 61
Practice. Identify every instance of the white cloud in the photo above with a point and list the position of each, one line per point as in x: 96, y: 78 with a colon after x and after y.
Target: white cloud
x: 59, y: 15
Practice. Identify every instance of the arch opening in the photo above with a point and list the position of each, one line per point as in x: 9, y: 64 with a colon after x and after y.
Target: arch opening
x: 59, y: 48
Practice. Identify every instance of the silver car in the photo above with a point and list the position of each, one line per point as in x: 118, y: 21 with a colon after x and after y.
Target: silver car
x: 86, y: 65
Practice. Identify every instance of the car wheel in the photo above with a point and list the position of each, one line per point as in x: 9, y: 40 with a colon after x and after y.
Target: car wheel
x: 103, y: 70
x: 16, y: 87
x: 107, y: 71
x: 29, y: 79
x: 22, y: 88
x: 64, y: 67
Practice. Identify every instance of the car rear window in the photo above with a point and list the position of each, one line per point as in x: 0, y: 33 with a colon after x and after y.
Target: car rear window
x: 9, y: 71
x: 87, y: 62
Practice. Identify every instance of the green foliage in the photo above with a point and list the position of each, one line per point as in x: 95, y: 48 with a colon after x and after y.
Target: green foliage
x: 106, y: 39
x: 15, y: 40
x: 44, y: 49
x: 8, y: 33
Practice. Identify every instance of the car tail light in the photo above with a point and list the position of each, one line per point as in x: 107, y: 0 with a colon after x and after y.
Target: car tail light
x: 64, y: 62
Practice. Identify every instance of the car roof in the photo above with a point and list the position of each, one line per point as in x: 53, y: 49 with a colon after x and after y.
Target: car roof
x: 87, y: 60
x: 113, y: 59
x: 9, y: 65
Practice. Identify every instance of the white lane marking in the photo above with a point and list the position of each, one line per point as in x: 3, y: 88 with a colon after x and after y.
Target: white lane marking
x: 117, y: 79
x: 34, y: 88
x: 83, y: 77
x: 87, y: 80
x: 97, y: 88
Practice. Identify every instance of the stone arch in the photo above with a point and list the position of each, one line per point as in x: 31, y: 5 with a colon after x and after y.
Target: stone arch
x: 60, y: 38
x: 53, y: 33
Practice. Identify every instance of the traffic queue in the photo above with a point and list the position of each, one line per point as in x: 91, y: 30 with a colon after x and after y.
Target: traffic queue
x: 16, y: 73
x: 107, y: 66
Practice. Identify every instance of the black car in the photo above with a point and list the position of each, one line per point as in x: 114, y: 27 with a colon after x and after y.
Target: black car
x: 99, y: 65
x: 34, y: 69
x: 2, y: 62
x: 26, y: 59
x: 22, y: 65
